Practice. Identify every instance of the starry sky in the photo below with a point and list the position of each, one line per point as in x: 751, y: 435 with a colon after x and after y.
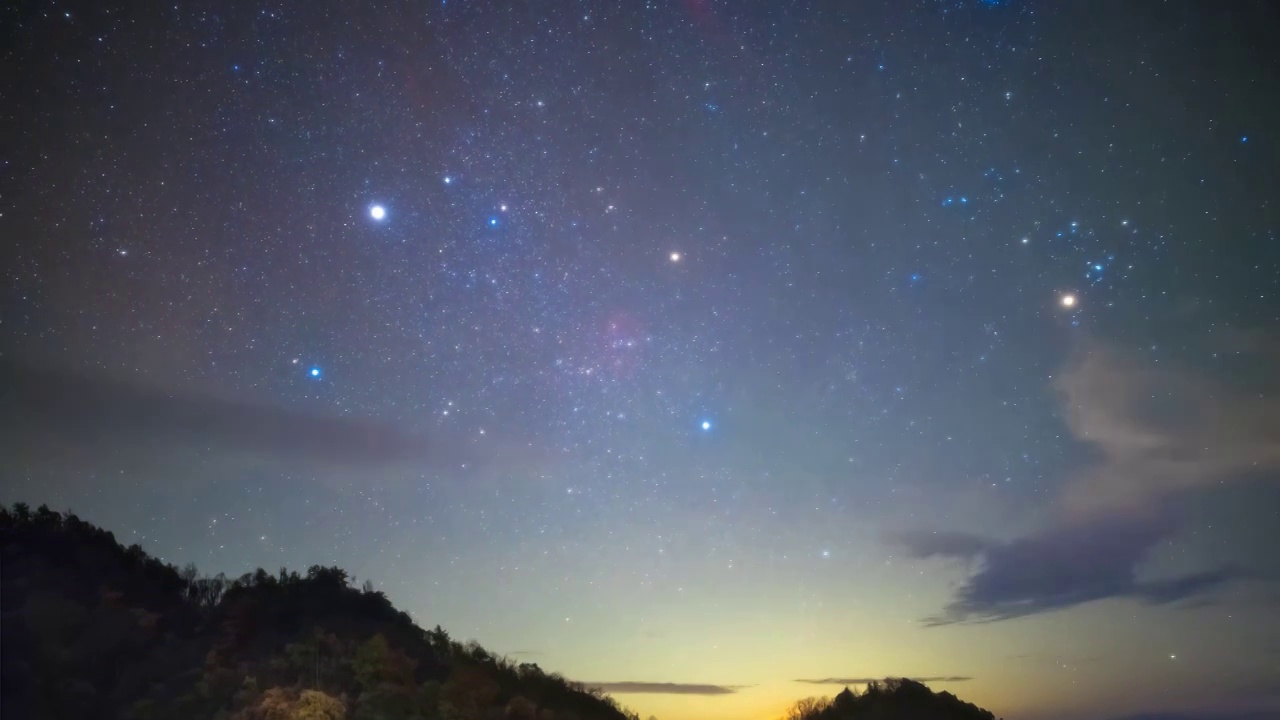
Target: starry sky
x: 716, y: 353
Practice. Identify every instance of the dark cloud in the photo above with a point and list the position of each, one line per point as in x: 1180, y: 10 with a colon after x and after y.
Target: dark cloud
x: 48, y: 406
x: 1160, y: 434
x: 942, y: 544
x: 865, y: 680
x: 664, y: 688
x: 1073, y: 564
x: 1205, y: 715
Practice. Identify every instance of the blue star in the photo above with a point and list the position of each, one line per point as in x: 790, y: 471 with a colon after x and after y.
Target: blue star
x: 377, y: 212
x: 706, y: 425
x: 1244, y: 138
x: 493, y: 221
x: 314, y: 372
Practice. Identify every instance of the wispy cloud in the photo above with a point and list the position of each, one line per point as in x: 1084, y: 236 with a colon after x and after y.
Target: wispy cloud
x: 1162, y: 431
x: 1070, y: 565
x: 922, y: 544
x: 664, y: 688
x: 1264, y: 714
x: 865, y: 680
x: 48, y: 405
x: 1159, y: 434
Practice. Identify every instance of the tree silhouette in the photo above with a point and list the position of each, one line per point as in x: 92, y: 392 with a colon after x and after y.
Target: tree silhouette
x: 891, y: 699
x: 95, y: 630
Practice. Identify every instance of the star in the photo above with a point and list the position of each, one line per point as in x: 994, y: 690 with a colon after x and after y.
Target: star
x: 314, y: 372
x: 706, y: 425
x: 377, y: 212
x: 675, y: 257
x: 448, y: 180
x: 1068, y: 301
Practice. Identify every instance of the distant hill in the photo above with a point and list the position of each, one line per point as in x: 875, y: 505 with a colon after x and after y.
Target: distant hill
x: 892, y: 699
x: 90, y: 629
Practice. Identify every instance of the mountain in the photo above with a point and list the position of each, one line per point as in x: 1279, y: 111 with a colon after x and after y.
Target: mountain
x: 94, y: 630
x: 892, y: 699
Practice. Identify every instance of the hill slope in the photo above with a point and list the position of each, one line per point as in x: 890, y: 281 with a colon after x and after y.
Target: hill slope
x: 92, y: 629
x: 893, y: 699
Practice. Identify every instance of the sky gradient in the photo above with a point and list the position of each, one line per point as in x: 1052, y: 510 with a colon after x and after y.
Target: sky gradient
x: 718, y: 353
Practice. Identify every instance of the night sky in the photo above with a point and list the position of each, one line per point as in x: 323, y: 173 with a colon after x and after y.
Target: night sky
x: 751, y: 347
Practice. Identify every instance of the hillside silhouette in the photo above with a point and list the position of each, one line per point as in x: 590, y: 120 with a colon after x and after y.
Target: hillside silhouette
x: 92, y: 629
x: 892, y: 699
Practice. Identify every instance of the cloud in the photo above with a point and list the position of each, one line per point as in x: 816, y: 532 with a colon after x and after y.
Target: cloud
x: 44, y: 405
x: 1159, y: 434
x: 664, y: 688
x: 1072, y: 564
x: 865, y: 680
x: 943, y: 544
x: 1206, y: 715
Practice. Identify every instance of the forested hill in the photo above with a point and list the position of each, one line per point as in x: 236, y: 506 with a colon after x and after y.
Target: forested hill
x: 92, y: 629
x: 892, y: 699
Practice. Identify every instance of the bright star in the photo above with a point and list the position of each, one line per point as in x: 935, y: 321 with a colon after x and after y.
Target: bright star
x: 503, y: 207
x: 493, y: 222
x: 448, y: 180
x: 377, y: 212
x: 675, y: 257
x: 314, y: 372
x: 1068, y: 301
x: 706, y: 424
